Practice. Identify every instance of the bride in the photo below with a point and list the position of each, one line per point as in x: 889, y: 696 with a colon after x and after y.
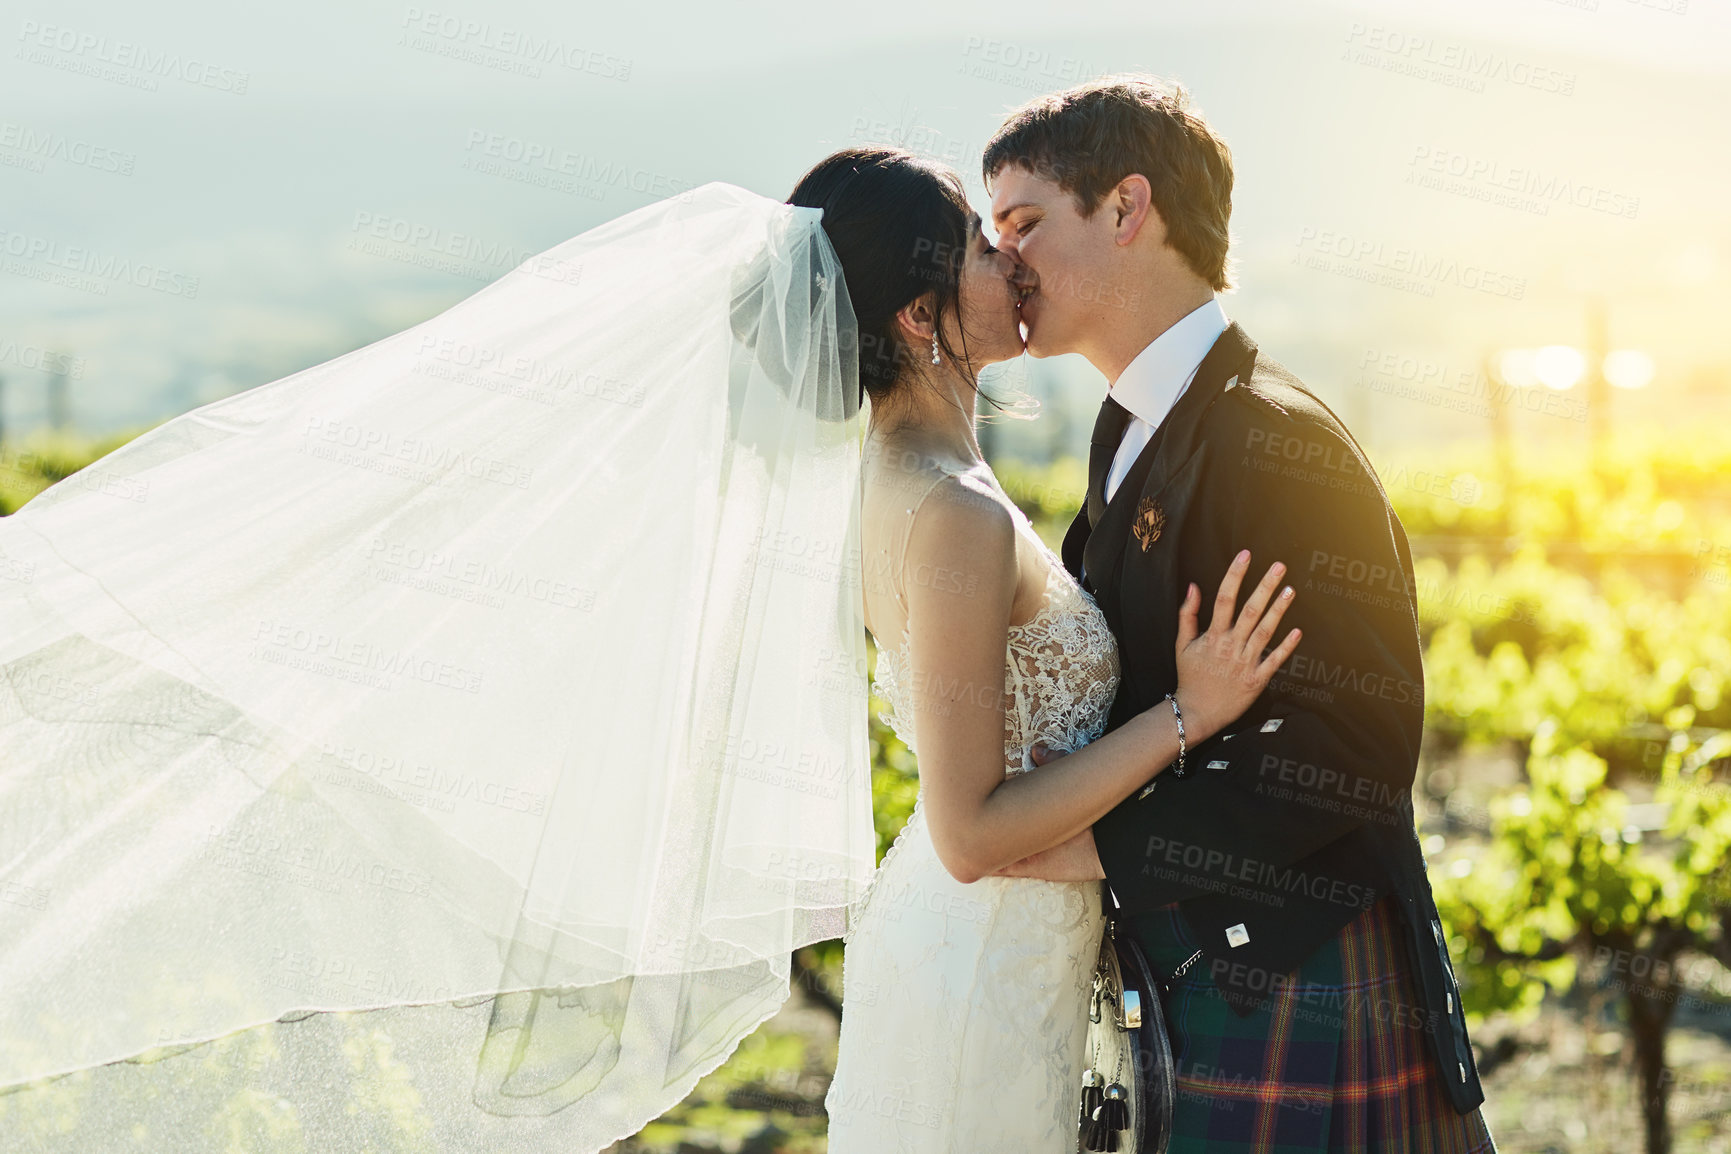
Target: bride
x: 444, y: 748
x: 965, y: 993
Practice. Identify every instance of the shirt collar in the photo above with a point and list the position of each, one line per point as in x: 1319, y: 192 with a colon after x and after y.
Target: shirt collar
x: 1150, y: 384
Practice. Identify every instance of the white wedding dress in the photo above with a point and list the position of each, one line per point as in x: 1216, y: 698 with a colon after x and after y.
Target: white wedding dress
x: 965, y: 1005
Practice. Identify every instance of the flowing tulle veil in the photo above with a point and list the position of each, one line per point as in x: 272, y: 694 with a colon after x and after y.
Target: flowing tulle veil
x: 444, y: 747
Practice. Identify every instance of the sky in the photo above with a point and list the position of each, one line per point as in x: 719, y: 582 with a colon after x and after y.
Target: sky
x: 1420, y: 184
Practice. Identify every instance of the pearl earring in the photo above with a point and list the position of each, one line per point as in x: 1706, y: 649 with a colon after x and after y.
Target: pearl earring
x: 935, y: 358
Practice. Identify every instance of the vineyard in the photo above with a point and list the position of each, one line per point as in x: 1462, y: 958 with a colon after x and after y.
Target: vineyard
x: 1573, y: 798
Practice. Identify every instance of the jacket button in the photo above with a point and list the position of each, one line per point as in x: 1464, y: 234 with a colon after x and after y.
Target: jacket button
x: 1451, y: 1002
x: 1463, y: 1067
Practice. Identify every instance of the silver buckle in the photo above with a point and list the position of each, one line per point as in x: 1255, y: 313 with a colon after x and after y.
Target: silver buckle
x: 1130, y: 1015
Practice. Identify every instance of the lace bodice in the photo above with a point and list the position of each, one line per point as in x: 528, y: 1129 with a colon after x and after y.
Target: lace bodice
x: 1060, y: 675
x: 1061, y: 665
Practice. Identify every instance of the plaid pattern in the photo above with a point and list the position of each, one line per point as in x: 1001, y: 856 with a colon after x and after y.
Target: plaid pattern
x: 1335, y: 1059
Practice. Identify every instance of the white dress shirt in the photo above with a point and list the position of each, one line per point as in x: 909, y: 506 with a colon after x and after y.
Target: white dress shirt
x: 1152, y: 383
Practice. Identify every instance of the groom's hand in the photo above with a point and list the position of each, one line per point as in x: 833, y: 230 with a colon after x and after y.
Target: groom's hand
x: 1076, y: 860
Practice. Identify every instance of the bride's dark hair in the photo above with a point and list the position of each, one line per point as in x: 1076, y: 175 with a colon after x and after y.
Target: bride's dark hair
x: 900, y: 225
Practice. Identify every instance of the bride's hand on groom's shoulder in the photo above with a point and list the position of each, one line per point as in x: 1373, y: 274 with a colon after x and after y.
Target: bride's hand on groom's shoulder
x: 1222, y: 670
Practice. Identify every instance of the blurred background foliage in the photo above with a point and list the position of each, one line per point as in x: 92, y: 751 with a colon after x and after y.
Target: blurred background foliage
x: 1573, y: 795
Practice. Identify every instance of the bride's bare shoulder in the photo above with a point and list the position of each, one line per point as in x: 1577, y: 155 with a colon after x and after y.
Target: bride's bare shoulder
x: 914, y: 479
x: 963, y: 539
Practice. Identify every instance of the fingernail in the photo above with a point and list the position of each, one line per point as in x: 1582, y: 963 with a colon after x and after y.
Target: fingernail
x: 1243, y: 555
x: 1278, y: 567
x: 1286, y: 592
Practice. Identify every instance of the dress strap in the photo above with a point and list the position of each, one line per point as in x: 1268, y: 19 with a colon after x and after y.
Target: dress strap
x: 908, y: 513
x: 900, y: 481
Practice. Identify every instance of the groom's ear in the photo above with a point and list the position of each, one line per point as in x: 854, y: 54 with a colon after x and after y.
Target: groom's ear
x: 1131, y: 205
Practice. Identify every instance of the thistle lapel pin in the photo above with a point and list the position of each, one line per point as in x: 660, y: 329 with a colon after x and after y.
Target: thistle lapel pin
x: 1150, y: 519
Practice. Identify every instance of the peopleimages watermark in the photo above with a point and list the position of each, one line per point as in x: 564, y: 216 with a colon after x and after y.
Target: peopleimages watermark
x: 892, y: 898
x: 1020, y: 66
x: 1700, y: 984
x: 41, y: 359
x: 469, y: 578
x: 120, y: 61
x: 458, y: 253
x: 313, y: 648
x: 1440, y: 602
x: 1520, y: 187
x: 1712, y: 562
x: 1331, y: 464
x: 422, y: 783
x: 1432, y: 382
x: 559, y: 169
x: 414, y: 458
x: 1215, y: 869
x: 1372, y: 583
x: 774, y: 761
x: 1699, y: 973
x: 1398, y: 266
x: 880, y: 1102
x: 495, y: 369
x: 321, y: 973
x: 502, y: 47
x: 30, y: 897
x: 87, y: 269
x: 22, y: 146
x: 1325, y: 1004
x: 20, y: 572
x: 910, y: 135
x: 305, y: 863
x: 1448, y: 63
x: 1352, y: 794
x: 33, y: 468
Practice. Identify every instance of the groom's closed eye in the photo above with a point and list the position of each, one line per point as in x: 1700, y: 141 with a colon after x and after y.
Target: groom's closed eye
x: 1020, y: 218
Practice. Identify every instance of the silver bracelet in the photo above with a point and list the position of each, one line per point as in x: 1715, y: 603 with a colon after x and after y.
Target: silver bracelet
x: 1178, y: 766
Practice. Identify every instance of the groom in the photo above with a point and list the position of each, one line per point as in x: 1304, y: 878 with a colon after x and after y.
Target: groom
x: 1319, y: 1009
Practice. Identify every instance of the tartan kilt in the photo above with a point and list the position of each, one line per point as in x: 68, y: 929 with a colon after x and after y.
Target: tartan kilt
x: 1332, y: 1060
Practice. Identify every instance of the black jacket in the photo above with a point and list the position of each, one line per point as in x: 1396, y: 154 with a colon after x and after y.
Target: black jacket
x: 1298, y: 816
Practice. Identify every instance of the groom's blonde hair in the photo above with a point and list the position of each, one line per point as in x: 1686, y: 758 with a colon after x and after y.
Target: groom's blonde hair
x: 1090, y: 137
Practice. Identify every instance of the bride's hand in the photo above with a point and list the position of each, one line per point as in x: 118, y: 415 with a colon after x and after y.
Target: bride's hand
x: 1222, y: 671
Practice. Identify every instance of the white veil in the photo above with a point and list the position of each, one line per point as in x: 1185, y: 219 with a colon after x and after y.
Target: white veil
x: 501, y: 683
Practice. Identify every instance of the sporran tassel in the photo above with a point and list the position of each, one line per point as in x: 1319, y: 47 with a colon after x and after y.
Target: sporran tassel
x: 1113, y: 1115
